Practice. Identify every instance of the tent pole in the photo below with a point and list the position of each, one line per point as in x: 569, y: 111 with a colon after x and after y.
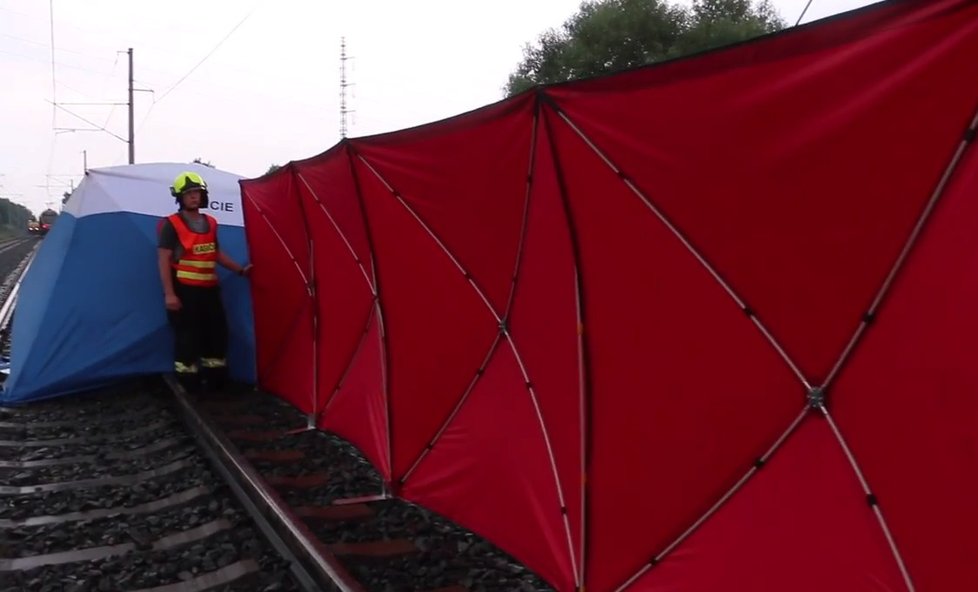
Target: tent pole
x: 526, y: 211
x: 349, y: 363
x: 966, y: 141
x: 760, y: 462
x: 385, y: 365
x: 506, y: 334
x: 321, y: 410
x: 342, y: 235
x: 751, y: 314
x: 311, y: 418
x: 433, y: 236
x: 285, y: 246
x: 586, y: 407
x: 312, y: 290
x: 871, y: 498
x: 458, y: 406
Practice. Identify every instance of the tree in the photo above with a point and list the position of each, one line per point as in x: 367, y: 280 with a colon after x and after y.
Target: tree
x: 721, y: 22
x: 272, y: 169
x: 611, y: 35
x: 14, y: 216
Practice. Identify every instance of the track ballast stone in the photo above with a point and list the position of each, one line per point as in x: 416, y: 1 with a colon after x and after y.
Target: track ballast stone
x: 447, y: 554
x: 132, y: 429
x: 22, y: 477
x: 143, y: 530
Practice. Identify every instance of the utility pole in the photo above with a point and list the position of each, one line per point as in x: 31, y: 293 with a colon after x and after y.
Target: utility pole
x: 132, y: 131
x: 85, y: 160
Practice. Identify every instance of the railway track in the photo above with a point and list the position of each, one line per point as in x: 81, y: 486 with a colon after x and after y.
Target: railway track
x: 110, y: 492
x: 143, y: 487
x: 334, y: 496
x: 15, y: 257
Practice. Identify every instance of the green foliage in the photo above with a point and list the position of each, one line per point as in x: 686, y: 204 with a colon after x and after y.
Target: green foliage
x: 13, y: 217
x: 611, y: 35
x: 272, y: 169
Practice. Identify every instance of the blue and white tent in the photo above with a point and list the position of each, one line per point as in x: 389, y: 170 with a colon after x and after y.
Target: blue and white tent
x: 90, y: 309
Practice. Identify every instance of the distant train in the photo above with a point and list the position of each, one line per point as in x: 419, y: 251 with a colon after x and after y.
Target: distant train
x: 44, y: 223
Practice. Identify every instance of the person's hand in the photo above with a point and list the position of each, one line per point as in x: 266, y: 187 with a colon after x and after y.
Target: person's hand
x: 246, y: 270
x: 172, y: 302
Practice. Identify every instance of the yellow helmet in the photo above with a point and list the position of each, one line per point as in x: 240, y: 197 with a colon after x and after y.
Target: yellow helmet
x: 186, y: 181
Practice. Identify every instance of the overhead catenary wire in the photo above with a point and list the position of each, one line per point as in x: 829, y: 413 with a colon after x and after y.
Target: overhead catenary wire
x: 207, y: 56
x: 96, y: 126
x: 61, y: 50
x: 60, y: 64
x: 105, y: 81
x: 54, y: 84
x: 54, y: 100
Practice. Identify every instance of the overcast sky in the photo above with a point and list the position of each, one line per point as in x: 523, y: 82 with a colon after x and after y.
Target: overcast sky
x: 268, y: 90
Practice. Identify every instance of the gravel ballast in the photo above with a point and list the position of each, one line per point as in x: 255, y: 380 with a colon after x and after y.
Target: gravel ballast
x: 129, y: 435
x: 443, y: 554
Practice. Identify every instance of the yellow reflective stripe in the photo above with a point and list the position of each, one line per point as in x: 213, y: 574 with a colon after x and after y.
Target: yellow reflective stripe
x: 198, y: 264
x: 192, y: 275
x: 213, y: 362
x: 182, y: 368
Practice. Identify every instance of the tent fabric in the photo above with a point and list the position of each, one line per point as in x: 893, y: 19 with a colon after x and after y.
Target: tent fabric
x: 699, y: 325
x: 90, y: 309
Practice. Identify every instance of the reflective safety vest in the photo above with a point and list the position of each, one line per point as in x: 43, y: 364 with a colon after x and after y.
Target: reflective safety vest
x: 198, y: 262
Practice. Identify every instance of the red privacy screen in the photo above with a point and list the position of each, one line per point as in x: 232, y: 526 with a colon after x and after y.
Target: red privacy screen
x: 705, y: 325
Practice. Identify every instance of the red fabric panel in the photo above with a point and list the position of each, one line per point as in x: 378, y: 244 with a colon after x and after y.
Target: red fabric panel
x: 438, y: 329
x: 797, y: 165
x: 358, y: 412
x: 344, y: 294
x: 281, y: 303
x: 686, y: 391
x: 544, y: 327
x: 490, y: 471
x: 801, y: 524
x: 331, y: 178
x: 468, y: 183
x: 781, y: 159
x: 908, y: 401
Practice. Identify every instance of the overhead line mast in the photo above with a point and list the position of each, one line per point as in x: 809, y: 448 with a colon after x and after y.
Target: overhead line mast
x: 344, y: 109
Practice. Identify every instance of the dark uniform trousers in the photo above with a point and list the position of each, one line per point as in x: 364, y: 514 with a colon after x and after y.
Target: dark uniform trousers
x: 200, y: 330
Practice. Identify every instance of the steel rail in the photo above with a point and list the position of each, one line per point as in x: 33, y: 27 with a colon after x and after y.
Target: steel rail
x: 313, y: 565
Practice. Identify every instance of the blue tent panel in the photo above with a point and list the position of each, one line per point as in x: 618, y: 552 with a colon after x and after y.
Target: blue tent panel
x: 90, y: 310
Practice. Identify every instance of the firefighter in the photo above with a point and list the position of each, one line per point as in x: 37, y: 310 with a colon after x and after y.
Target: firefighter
x: 188, y: 257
